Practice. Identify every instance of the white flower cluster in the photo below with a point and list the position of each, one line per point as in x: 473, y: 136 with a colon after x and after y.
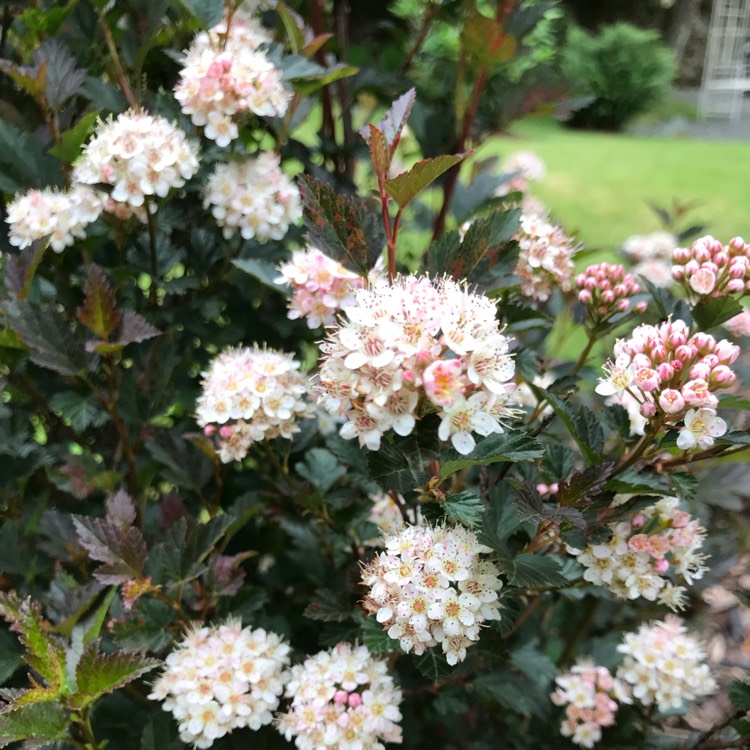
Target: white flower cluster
x: 342, y: 699
x: 226, y: 74
x: 635, y: 561
x: 253, y: 197
x: 386, y: 514
x: 419, y: 345
x: 664, y: 665
x: 221, y: 678
x: 652, y: 256
x: 431, y: 587
x: 61, y: 216
x: 250, y: 395
x: 526, y: 167
x: 546, y: 258
x: 140, y: 155
x: 589, y: 694
x: 321, y: 287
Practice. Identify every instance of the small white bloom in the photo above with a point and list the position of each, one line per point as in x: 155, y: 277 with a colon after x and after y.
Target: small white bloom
x: 702, y: 426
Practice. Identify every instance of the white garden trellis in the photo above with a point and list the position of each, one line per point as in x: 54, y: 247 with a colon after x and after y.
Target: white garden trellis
x: 726, y: 72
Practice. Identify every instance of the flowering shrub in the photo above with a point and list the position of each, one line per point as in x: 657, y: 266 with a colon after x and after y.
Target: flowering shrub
x: 405, y: 512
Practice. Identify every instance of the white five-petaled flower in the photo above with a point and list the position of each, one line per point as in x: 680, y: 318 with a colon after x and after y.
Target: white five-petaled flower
x: 620, y: 376
x: 701, y: 428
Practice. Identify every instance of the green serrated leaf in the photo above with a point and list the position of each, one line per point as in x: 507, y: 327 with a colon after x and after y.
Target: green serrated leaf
x: 433, y: 665
x: 98, y: 673
x: 69, y: 148
x: 24, y: 162
x: 685, y: 485
x: 81, y: 411
x: 584, y: 484
x: 465, y: 508
x: 376, y: 638
x: 632, y: 482
x: 328, y: 606
x: 341, y: 226
x: 208, y: 12
x: 575, y: 423
x: 506, y: 446
x: 11, y: 657
x: 20, y: 269
x: 712, y: 312
x: 529, y: 571
x: 380, y: 152
x: 392, y: 470
x: 43, y: 652
x: 321, y: 468
x: 484, y: 248
x: 263, y: 271
x: 161, y: 734
x: 46, y: 722
x: 406, y: 186
x: 502, y: 686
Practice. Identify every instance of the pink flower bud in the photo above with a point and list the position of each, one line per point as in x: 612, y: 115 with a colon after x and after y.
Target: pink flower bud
x: 355, y: 699
x: 722, y: 375
x: 721, y: 259
x: 641, y: 307
x: 680, y: 255
x: 647, y: 379
x: 584, y: 296
x: 638, y: 520
x: 737, y: 243
x: 340, y: 697
x: 700, y: 371
x: 737, y: 271
x: 648, y: 410
x: 661, y: 566
x: 666, y: 371
x: 623, y: 305
x: 671, y: 401
x: 677, y: 273
x: 684, y: 353
x: 209, y: 430
x: 735, y: 285
x: 692, y: 267
x: 608, y: 296
x: 542, y: 488
x: 553, y: 488
x: 680, y: 519
x: 225, y: 431
x: 727, y: 352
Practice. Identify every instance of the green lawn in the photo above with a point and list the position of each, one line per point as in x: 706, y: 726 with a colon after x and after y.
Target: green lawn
x: 597, y: 184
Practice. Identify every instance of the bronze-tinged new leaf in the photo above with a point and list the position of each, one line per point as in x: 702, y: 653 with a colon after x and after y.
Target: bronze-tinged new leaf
x: 21, y: 268
x: 395, y: 118
x: 43, y: 652
x: 380, y: 152
x: 341, y: 226
x: 99, y: 311
x: 98, y: 674
x: 409, y: 184
x: 486, y: 41
x: 134, y: 329
x: 40, y: 722
x: 114, y: 541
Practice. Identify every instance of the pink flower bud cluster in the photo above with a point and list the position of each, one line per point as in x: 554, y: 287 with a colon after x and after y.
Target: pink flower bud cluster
x: 546, y: 258
x: 250, y: 395
x: 221, y: 678
x: 606, y: 289
x: 526, y: 167
x: 590, y: 695
x: 60, y: 216
x: 665, y: 665
x: 712, y: 269
x: 321, y: 287
x: 341, y: 699
x: 668, y: 371
x: 421, y: 345
x: 431, y: 587
x: 655, y: 545
x: 139, y: 155
x: 225, y: 74
x: 253, y: 197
